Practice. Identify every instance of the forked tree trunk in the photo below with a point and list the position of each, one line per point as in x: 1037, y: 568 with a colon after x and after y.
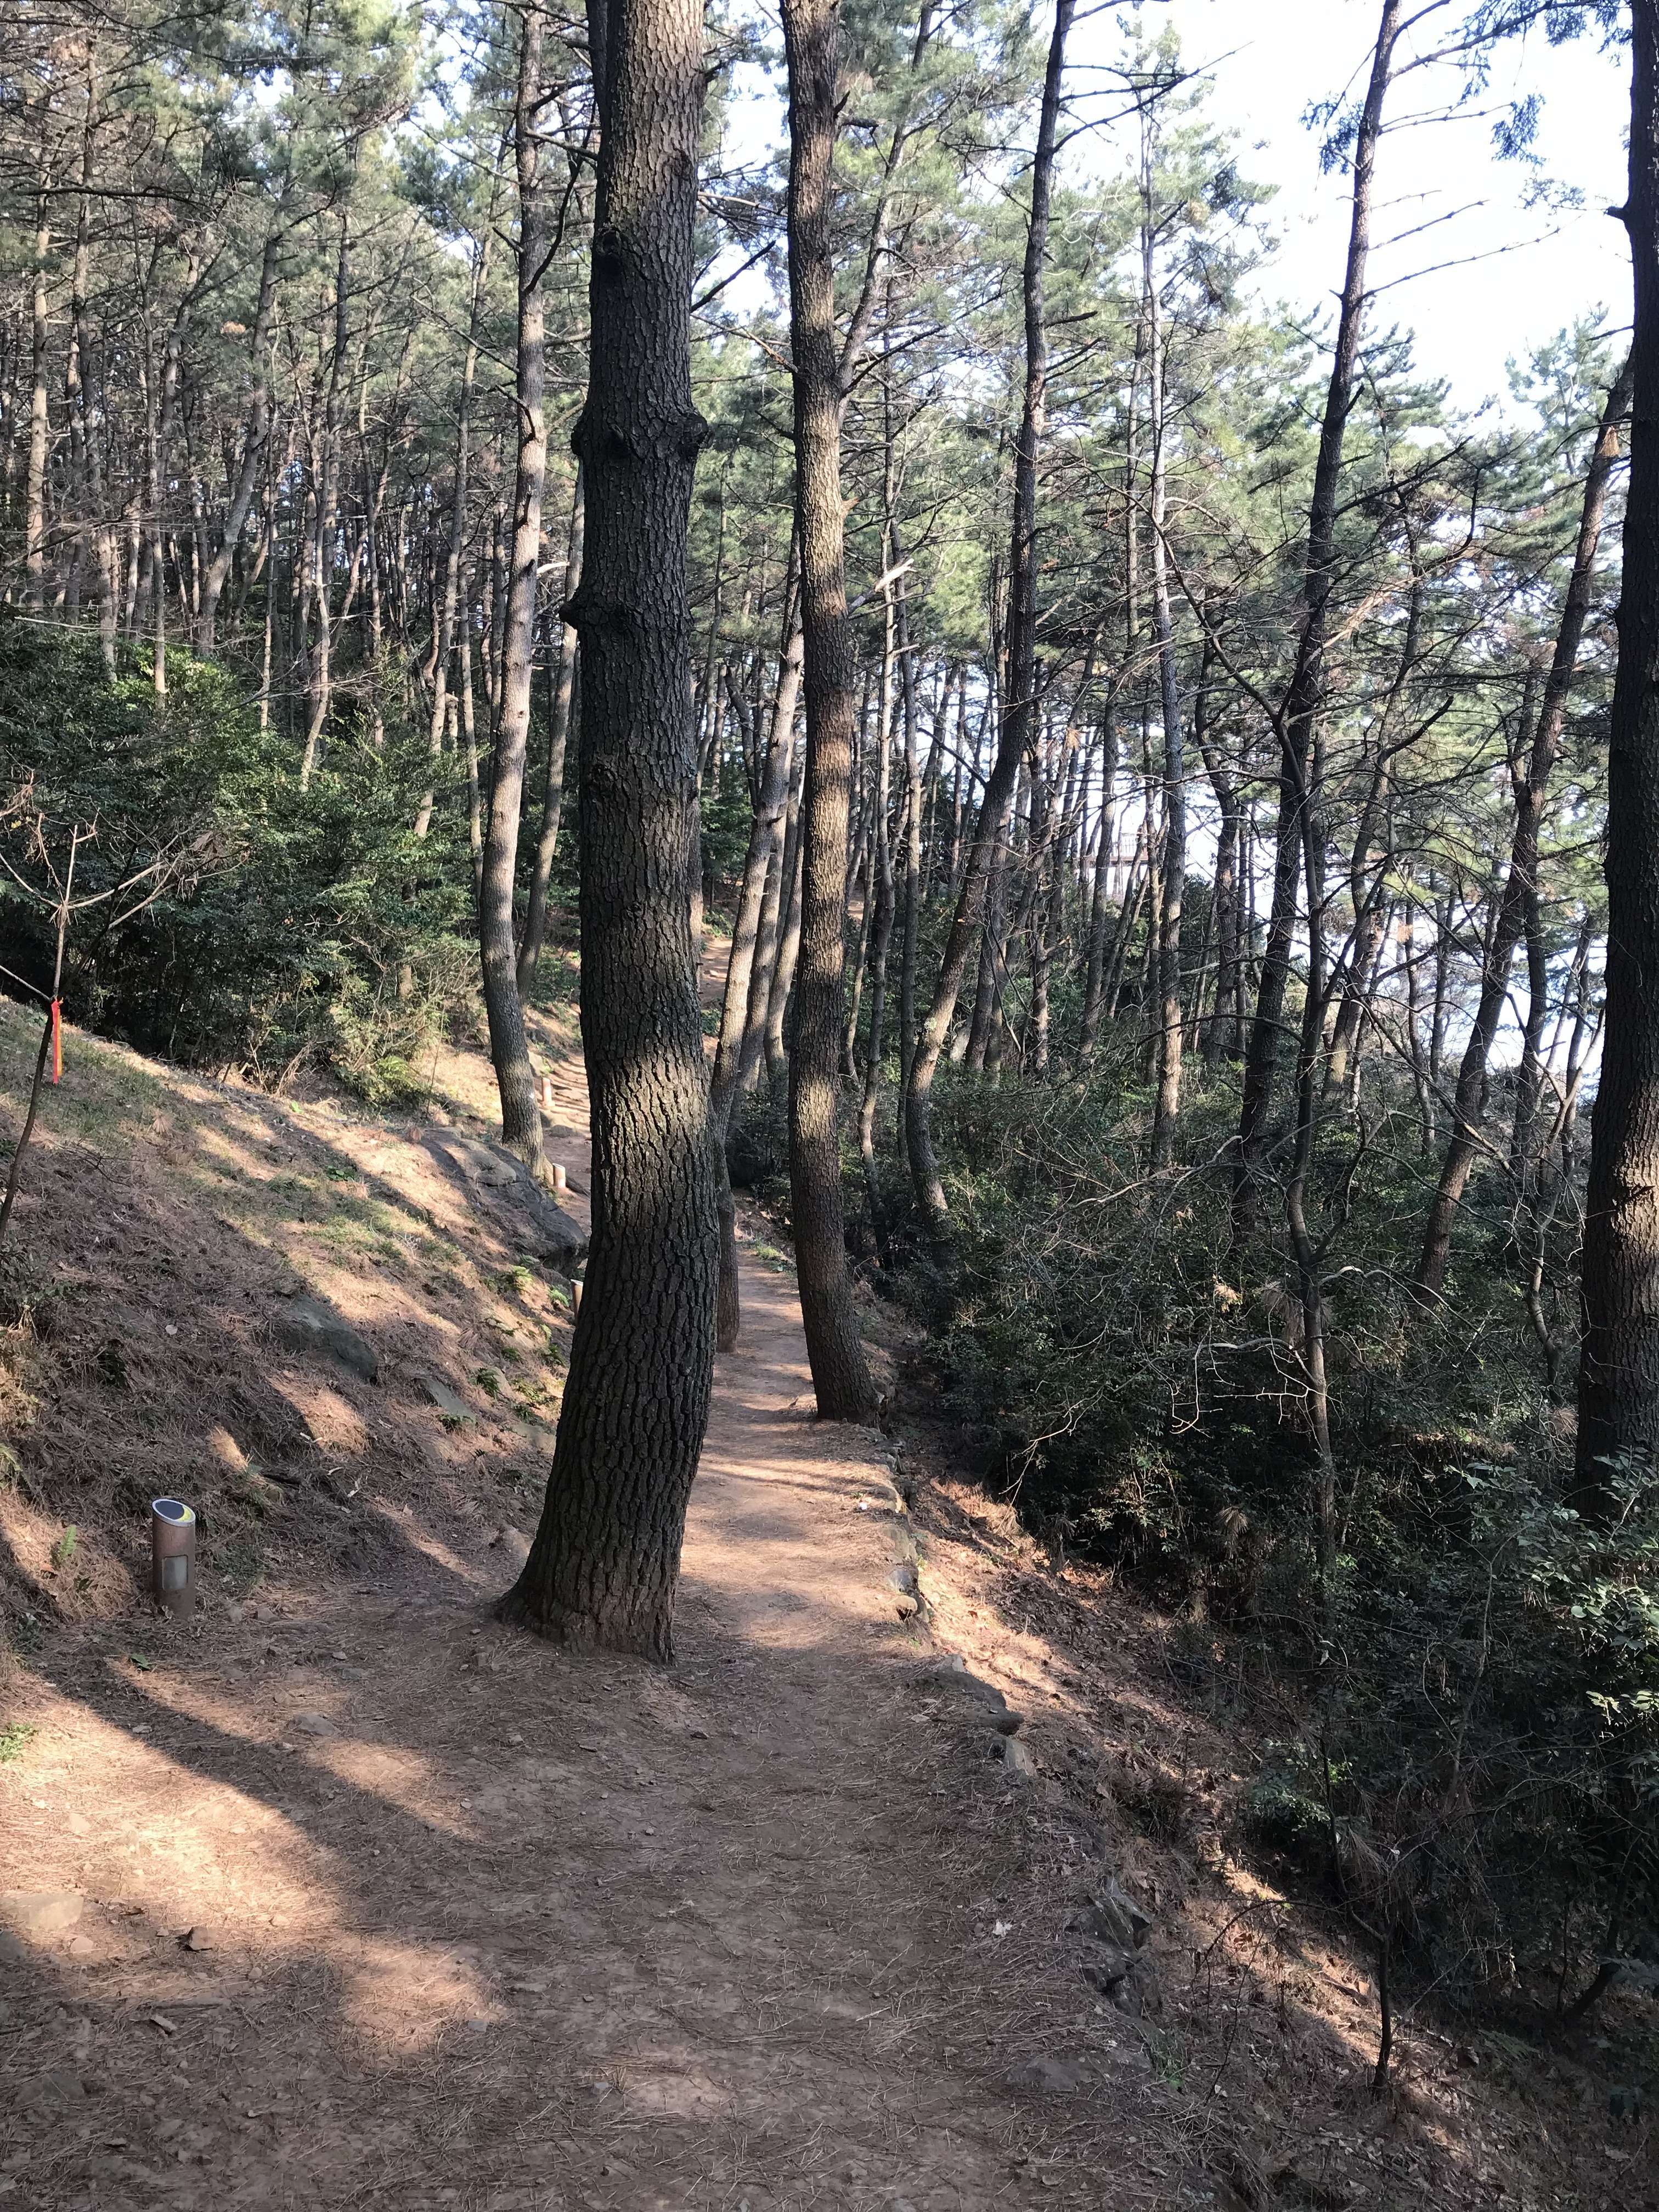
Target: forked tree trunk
x: 841, y: 1374
x: 606, y: 1560
x: 1618, y: 1360
x: 1014, y: 735
x: 509, y: 1049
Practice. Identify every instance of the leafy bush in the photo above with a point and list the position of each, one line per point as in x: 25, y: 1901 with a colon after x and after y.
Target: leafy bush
x: 292, y: 925
x: 1475, y: 1763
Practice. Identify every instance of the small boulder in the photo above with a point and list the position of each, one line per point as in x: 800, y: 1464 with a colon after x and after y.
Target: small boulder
x: 1052, y: 2077
x: 1111, y: 1917
x: 309, y: 1325
x: 983, y: 1699
x: 1107, y: 1969
x: 38, y: 1915
x: 451, y: 1406
x: 315, y: 1724
x: 1013, y: 1757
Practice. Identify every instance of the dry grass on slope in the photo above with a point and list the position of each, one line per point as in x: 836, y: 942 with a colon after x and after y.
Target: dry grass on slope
x: 165, y: 1230
x: 1260, y: 2013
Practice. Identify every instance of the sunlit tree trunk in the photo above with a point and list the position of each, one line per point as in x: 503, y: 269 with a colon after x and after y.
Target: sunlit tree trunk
x: 509, y: 1048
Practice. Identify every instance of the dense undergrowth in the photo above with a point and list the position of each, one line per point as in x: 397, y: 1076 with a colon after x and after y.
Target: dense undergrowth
x: 282, y: 925
x: 1468, y: 1763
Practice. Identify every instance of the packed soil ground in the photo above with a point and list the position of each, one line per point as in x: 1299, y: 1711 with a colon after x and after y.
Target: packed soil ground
x: 344, y: 1895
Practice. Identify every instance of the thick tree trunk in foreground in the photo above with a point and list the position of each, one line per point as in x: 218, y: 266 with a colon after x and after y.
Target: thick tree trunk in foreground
x: 1469, y: 1101
x: 1014, y: 736
x: 1618, y: 1362
x: 606, y: 1560
x: 521, y: 1123
x: 1305, y: 692
x: 841, y: 1376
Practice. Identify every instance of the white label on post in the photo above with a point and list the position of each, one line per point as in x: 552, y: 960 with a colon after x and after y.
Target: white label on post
x: 174, y: 1572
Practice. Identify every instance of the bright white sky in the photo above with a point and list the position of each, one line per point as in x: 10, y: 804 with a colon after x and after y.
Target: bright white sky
x: 1271, y: 60
x: 1274, y: 58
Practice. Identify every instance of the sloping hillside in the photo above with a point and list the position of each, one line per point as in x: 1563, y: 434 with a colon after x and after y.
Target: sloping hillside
x: 184, y: 1257
x: 917, y: 1885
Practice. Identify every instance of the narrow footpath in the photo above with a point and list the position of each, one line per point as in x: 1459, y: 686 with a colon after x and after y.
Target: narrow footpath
x: 375, y: 1903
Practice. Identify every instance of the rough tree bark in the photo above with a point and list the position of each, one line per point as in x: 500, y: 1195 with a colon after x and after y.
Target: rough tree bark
x: 841, y: 1374
x: 510, y: 1049
x: 1014, y: 735
x: 1619, y: 1358
x: 606, y: 1561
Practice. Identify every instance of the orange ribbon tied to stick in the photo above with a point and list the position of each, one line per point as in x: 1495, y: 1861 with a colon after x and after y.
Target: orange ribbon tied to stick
x: 57, y: 1040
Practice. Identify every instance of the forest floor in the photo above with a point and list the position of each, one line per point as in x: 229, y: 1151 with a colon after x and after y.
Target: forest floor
x: 346, y: 1896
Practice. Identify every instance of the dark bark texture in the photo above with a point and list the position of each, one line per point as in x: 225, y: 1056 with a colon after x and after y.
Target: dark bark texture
x: 606, y: 1560
x: 841, y: 1374
x: 1618, y: 1360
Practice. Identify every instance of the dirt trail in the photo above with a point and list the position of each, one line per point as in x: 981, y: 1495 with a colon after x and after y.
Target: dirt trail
x: 386, y: 1905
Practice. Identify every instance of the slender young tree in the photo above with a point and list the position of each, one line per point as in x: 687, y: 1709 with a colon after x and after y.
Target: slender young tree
x: 1530, y: 778
x: 1305, y: 691
x: 509, y: 1048
x: 1018, y: 714
x: 841, y: 1374
x: 606, y: 1560
x: 1619, y: 1358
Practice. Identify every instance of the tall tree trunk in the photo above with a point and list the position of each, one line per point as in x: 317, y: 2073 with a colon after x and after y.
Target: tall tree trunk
x: 1619, y: 1358
x: 561, y: 688
x: 1530, y: 786
x: 509, y: 1049
x: 1305, y: 694
x: 1014, y: 736
x: 450, y: 602
x: 1100, y: 890
x: 606, y: 1561
x: 841, y: 1374
x: 1167, y: 1104
x: 765, y: 838
x: 319, y: 680
x: 172, y: 357
x: 254, y: 447
x: 34, y: 511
